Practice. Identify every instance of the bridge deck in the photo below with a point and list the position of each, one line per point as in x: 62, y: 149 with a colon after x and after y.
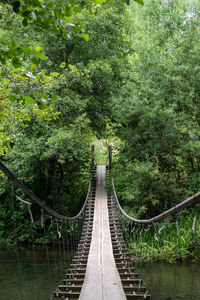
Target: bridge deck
x: 102, y: 281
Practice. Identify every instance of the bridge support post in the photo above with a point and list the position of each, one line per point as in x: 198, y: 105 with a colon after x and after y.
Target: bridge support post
x: 92, y: 162
x: 110, y: 157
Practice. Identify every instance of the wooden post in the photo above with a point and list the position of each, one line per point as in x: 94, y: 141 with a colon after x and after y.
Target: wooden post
x: 110, y: 157
x: 92, y: 162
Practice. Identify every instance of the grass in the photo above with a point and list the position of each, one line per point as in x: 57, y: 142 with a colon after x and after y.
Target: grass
x: 170, y: 240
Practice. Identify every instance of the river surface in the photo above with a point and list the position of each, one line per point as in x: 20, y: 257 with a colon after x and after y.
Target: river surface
x: 34, y: 274
x: 31, y: 273
x: 165, y: 281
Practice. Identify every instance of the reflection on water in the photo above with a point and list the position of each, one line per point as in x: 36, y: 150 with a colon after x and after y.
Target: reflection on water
x: 171, y: 281
x: 34, y: 276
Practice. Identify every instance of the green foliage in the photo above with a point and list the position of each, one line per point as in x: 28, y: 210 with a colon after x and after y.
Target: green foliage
x: 54, y: 93
x: 170, y: 240
x: 100, y: 152
x: 157, y: 110
x: 25, y: 29
x: 101, y: 61
x: 62, y: 18
x: 38, y: 61
x: 71, y: 71
x: 5, y: 214
x: 59, y: 17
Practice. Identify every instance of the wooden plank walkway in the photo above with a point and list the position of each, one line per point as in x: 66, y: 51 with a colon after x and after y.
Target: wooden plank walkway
x: 102, y: 281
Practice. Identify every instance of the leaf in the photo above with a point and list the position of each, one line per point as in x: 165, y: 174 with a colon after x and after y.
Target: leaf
x: 29, y: 100
x: 99, y: 1
x: 58, y: 13
x: 34, y: 60
x: 27, y: 50
x: 16, y: 91
x: 77, y: 9
x: 43, y: 97
x: 25, y: 22
x: 85, y: 36
x: 12, y: 98
x: 68, y: 12
x: 41, y: 56
x: 50, y: 5
x: 54, y: 97
x: 138, y: 1
x: 38, y: 48
x: 2, y: 60
x: 68, y: 20
x: 62, y: 65
x: 33, y: 66
x: 16, y: 62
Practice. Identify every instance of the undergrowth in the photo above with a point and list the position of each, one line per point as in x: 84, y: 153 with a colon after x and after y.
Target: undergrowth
x: 177, y: 238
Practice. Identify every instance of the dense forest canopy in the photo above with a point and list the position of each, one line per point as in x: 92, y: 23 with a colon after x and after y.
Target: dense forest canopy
x: 159, y: 115
x: 75, y: 71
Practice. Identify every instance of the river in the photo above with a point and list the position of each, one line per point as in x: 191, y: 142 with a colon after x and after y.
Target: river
x: 31, y: 274
x: 36, y: 274
x: 180, y: 281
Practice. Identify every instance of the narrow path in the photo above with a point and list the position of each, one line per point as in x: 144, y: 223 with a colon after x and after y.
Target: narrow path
x: 102, y: 281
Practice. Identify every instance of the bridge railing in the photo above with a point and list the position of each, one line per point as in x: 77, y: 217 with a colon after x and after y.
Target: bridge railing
x: 48, y: 215
x: 191, y: 200
x: 36, y: 224
x: 14, y: 180
x: 171, y: 235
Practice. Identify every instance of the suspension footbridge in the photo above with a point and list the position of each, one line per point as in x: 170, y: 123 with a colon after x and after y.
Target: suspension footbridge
x: 101, y: 267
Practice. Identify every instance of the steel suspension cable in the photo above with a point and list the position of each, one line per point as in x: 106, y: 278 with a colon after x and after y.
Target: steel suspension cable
x: 35, y: 198
x: 193, y: 199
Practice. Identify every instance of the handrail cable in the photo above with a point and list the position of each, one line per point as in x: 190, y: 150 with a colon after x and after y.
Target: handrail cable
x: 168, y: 212
x: 35, y: 198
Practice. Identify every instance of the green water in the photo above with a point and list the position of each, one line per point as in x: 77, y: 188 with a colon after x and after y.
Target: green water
x: 171, y: 281
x: 36, y: 274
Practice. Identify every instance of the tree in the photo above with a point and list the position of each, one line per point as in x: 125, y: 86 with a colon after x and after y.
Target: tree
x: 158, y: 109
x: 60, y: 93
